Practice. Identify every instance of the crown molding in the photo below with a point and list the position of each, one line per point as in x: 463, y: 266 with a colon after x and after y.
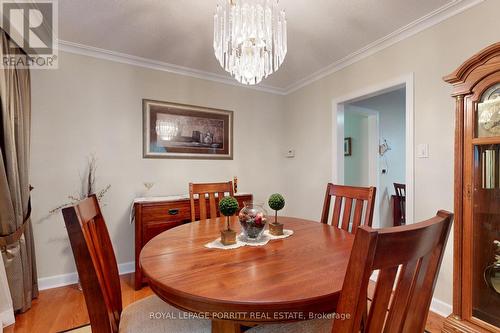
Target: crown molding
x: 90, y: 51
x: 451, y: 9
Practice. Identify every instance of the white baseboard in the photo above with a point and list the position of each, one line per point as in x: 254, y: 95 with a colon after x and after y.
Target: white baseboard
x: 441, y: 308
x: 72, y: 278
x: 126, y: 267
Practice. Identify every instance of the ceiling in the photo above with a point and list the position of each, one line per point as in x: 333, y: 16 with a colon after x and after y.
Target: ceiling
x: 179, y: 32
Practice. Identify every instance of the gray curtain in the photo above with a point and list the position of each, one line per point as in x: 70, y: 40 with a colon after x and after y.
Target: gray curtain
x: 16, y: 234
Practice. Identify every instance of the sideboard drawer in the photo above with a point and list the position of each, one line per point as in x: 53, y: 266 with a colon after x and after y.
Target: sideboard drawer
x: 174, y: 211
x: 151, y: 230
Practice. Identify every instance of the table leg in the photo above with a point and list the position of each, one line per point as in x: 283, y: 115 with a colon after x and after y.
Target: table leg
x: 225, y: 326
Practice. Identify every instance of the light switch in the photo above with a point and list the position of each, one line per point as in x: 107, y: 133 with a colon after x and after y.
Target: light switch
x: 290, y: 153
x: 423, y: 150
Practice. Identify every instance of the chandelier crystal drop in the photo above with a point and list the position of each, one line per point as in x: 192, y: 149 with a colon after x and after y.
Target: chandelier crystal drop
x: 249, y: 38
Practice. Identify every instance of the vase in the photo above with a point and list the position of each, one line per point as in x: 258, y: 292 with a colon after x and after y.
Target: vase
x: 253, y: 220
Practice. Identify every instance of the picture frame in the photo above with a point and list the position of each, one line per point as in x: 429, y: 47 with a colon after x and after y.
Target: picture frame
x: 181, y: 131
x: 347, y: 146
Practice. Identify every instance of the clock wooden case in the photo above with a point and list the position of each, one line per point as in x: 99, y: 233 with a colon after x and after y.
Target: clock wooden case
x: 476, y: 89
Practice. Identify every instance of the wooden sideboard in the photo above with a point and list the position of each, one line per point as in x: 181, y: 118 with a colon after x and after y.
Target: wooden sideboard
x: 157, y: 214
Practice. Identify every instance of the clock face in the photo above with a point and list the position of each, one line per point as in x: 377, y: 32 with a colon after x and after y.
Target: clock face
x: 489, y: 112
x: 489, y: 115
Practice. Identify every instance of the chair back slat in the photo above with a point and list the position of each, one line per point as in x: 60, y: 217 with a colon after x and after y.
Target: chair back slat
x: 408, y: 259
x: 347, y: 214
x: 344, y: 197
x: 220, y: 195
x: 337, y: 208
x: 382, y: 297
x: 213, y: 205
x: 358, y: 214
x: 400, y: 190
x: 96, y: 264
x: 202, y: 200
x: 402, y: 296
x: 204, y: 190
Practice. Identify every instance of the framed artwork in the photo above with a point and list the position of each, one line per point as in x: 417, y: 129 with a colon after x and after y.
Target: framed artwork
x: 347, y: 146
x: 173, y: 130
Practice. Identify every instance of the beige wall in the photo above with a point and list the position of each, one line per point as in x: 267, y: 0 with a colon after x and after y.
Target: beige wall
x: 429, y: 55
x: 95, y: 106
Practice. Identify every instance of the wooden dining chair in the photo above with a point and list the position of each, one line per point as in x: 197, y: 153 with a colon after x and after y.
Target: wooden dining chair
x: 402, y: 300
x: 408, y: 259
x: 347, y: 199
x: 204, y: 190
x: 98, y: 272
x: 400, y: 190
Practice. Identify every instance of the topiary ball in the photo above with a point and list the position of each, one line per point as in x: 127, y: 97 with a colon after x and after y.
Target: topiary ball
x: 228, y: 206
x: 276, y: 201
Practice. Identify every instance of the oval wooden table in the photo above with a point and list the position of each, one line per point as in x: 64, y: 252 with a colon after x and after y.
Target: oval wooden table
x: 286, y: 280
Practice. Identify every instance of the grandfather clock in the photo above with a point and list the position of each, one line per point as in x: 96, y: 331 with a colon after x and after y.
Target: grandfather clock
x: 476, y: 281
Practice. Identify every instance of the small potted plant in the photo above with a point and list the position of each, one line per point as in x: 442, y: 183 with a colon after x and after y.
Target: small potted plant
x: 227, y: 207
x: 276, y: 202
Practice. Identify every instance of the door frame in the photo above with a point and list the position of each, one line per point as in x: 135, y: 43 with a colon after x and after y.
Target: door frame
x: 406, y: 81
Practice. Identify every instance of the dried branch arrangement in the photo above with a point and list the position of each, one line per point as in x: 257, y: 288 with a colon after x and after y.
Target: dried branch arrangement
x: 88, y: 187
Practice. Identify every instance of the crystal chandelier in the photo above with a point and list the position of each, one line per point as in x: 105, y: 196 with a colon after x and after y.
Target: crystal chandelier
x: 249, y: 38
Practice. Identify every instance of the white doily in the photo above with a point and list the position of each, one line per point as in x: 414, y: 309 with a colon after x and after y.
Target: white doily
x: 242, y: 241
x: 286, y: 233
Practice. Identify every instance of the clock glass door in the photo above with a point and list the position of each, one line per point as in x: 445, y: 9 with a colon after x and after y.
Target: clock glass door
x: 488, y: 113
x: 486, y: 209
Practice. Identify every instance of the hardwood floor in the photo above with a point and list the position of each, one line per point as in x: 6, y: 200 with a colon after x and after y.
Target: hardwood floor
x: 63, y: 308
x: 434, y: 323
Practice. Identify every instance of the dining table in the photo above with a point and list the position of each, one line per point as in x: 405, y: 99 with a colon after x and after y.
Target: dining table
x: 290, y: 279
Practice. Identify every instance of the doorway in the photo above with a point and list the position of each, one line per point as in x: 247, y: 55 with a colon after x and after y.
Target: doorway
x: 373, y: 144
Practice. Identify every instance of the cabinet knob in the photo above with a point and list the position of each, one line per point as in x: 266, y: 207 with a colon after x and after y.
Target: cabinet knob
x: 173, y: 211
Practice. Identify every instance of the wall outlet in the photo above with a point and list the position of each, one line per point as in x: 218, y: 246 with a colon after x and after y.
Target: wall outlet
x: 290, y: 153
x: 423, y: 150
